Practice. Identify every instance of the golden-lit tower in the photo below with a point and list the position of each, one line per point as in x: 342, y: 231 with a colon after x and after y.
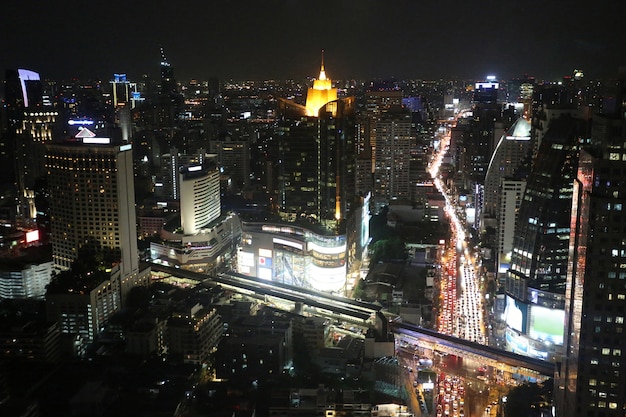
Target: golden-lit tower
x: 321, y: 93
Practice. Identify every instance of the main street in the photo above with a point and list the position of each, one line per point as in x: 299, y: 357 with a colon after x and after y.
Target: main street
x: 461, y: 307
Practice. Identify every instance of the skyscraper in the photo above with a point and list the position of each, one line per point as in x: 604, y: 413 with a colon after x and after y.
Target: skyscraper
x: 199, y: 196
x: 31, y: 124
x: 590, y: 378
x: 92, y: 200
x: 500, y: 202
x: 394, y: 140
x: 317, y: 156
x: 535, y: 282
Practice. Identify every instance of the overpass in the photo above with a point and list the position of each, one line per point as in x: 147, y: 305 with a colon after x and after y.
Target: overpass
x: 363, y: 313
x: 315, y: 302
x: 502, y: 360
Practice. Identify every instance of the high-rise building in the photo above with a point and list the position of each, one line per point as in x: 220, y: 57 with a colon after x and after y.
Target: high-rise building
x: 201, y: 238
x: 125, y: 98
x: 501, y: 203
x: 535, y: 281
x: 394, y: 140
x: 199, y: 196
x: 590, y: 380
x: 233, y: 155
x: 92, y: 200
x: 31, y: 124
x: 82, y: 305
x: 511, y: 192
x: 317, y: 156
x: 379, y: 98
x: 511, y: 151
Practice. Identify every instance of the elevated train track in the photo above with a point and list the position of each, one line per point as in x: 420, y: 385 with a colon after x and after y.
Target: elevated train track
x: 363, y: 313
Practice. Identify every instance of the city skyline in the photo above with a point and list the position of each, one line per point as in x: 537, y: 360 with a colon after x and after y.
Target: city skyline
x: 283, y: 39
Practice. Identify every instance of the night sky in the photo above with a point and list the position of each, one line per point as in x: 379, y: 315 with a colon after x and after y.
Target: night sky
x: 282, y: 39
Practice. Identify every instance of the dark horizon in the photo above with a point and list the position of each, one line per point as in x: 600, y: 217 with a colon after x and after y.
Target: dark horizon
x: 283, y: 39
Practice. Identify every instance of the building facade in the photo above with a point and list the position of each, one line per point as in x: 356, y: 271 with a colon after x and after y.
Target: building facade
x: 199, y: 196
x: 92, y: 200
x: 590, y: 380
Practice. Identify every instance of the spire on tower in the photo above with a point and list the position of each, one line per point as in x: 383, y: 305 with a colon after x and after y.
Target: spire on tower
x: 322, y: 72
x: 163, y: 59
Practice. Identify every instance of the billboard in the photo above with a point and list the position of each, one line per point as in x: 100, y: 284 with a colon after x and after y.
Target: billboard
x: 547, y: 324
x: 32, y: 236
x: 515, y: 314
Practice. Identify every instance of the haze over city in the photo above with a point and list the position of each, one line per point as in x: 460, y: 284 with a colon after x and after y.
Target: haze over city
x: 282, y: 39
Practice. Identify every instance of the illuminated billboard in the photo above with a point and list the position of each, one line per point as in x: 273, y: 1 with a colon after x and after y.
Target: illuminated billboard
x: 515, y: 314
x: 32, y: 236
x: 293, y: 255
x: 264, y: 273
x: 365, y: 221
x: 326, y: 279
x: 245, y: 259
x: 547, y: 324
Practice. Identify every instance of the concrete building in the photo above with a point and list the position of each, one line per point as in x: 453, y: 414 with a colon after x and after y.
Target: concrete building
x: 92, y: 200
x: 199, y: 197
x: 194, y: 333
x: 29, y: 340
x: 589, y: 379
x: 25, y: 276
x: 394, y: 140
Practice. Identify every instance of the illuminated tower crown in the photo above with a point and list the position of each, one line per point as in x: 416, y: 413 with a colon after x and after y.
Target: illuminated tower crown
x: 321, y: 93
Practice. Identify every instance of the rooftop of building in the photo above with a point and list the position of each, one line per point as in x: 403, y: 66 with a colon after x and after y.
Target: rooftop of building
x: 21, y: 258
x: 85, y: 274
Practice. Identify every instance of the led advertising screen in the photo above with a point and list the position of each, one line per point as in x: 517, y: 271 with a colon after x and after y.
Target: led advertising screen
x: 32, y: 236
x: 515, y: 314
x: 547, y: 324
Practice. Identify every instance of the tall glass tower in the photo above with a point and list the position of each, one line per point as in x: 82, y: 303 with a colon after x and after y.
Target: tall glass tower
x: 591, y: 376
x: 535, y: 282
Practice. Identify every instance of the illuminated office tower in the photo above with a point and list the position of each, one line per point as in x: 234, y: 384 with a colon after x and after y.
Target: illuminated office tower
x: 535, y: 282
x: 317, y: 156
x: 199, y: 196
x: 590, y: 378
x: 125, y: 98
x: 169, y: 99
x: 92, y: 200
x: 171, y: 163
x: 510, y: 201
x: 501, y: 202
x: 233, y: 155
x: 320, y: 93
x: 486, y: 110
x: 31, y: 124
x: 394, y: 140
x: 379, y: 97
x: 511, y: 151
